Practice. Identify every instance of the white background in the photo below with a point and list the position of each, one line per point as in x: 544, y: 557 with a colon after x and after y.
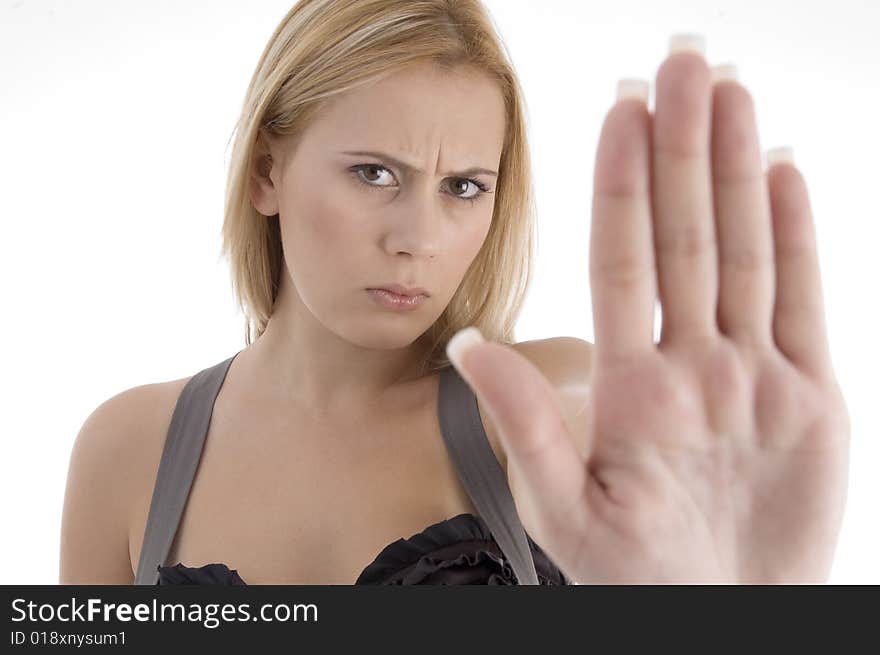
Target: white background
x: 115, y: 120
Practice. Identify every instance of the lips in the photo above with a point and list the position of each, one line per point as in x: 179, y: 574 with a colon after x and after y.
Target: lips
x: 402, y: 290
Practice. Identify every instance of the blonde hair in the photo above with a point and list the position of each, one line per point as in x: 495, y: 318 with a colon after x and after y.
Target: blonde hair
x: 323, y: 48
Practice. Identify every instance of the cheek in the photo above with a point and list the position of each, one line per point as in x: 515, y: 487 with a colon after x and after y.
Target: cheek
x: 462, y: 245
x: 320, y: 240
x: 331, y: 227
x: 470, y: 239
x: 324, y: 226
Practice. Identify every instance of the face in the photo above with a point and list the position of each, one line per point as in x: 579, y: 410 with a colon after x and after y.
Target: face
x: 413, y: 212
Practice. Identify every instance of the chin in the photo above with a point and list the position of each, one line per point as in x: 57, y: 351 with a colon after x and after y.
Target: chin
x: 384, y: 334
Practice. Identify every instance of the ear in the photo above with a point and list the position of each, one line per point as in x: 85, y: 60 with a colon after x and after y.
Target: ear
x: 262, y: 188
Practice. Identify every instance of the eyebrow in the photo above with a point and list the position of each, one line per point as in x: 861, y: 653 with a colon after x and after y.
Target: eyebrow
x: 400, y: 164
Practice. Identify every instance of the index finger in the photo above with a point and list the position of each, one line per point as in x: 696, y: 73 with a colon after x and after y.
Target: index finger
x: 623, y: 279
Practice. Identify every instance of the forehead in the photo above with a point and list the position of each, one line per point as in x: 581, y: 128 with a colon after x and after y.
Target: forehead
x: 417, y: 109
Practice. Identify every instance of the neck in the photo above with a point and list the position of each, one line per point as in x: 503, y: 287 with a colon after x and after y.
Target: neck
x: 299, y: 361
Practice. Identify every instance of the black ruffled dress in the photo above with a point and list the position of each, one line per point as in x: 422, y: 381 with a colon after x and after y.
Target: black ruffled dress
x: 457, y: 551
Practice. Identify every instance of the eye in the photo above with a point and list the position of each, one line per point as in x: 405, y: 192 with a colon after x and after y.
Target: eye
x: 479, y: 188
x: 368, y: 174
x: 372, y: 173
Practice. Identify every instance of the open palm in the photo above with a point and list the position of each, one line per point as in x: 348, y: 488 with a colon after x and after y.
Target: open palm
x: 719, y: 454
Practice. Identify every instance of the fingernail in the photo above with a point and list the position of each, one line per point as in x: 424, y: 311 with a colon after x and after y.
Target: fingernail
x: 633, y: 88
x: 782, y: 154
x: 687, y: 41
x: 461, y: 342
x: 724, y: 72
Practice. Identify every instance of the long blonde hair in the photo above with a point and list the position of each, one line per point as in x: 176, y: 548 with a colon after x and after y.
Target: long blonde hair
x: 323, y: 48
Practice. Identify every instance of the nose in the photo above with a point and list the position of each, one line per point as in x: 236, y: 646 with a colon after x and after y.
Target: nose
x: 415, y: 224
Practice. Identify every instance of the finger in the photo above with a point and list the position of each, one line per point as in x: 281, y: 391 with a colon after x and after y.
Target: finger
x: 525, y: 411
x: 742, y: 219
x: 623, y: 283
x: 799, y: 315
x: 684, y: 231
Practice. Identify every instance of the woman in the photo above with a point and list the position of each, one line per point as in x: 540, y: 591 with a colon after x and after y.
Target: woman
x: 382, y: 151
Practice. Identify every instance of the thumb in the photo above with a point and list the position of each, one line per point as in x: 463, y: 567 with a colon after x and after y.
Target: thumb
x: 549, y: 473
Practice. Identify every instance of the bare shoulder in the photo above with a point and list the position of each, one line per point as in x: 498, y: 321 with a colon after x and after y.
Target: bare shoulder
x: 128, y: 426
x: 566, y: 363
x: 114, y: 455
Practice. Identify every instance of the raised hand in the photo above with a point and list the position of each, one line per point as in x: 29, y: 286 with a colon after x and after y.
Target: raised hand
x: 719, y: 454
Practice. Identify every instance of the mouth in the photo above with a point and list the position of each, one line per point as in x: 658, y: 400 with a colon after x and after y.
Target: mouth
x: 400, y: 290
x: 392, y: 300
